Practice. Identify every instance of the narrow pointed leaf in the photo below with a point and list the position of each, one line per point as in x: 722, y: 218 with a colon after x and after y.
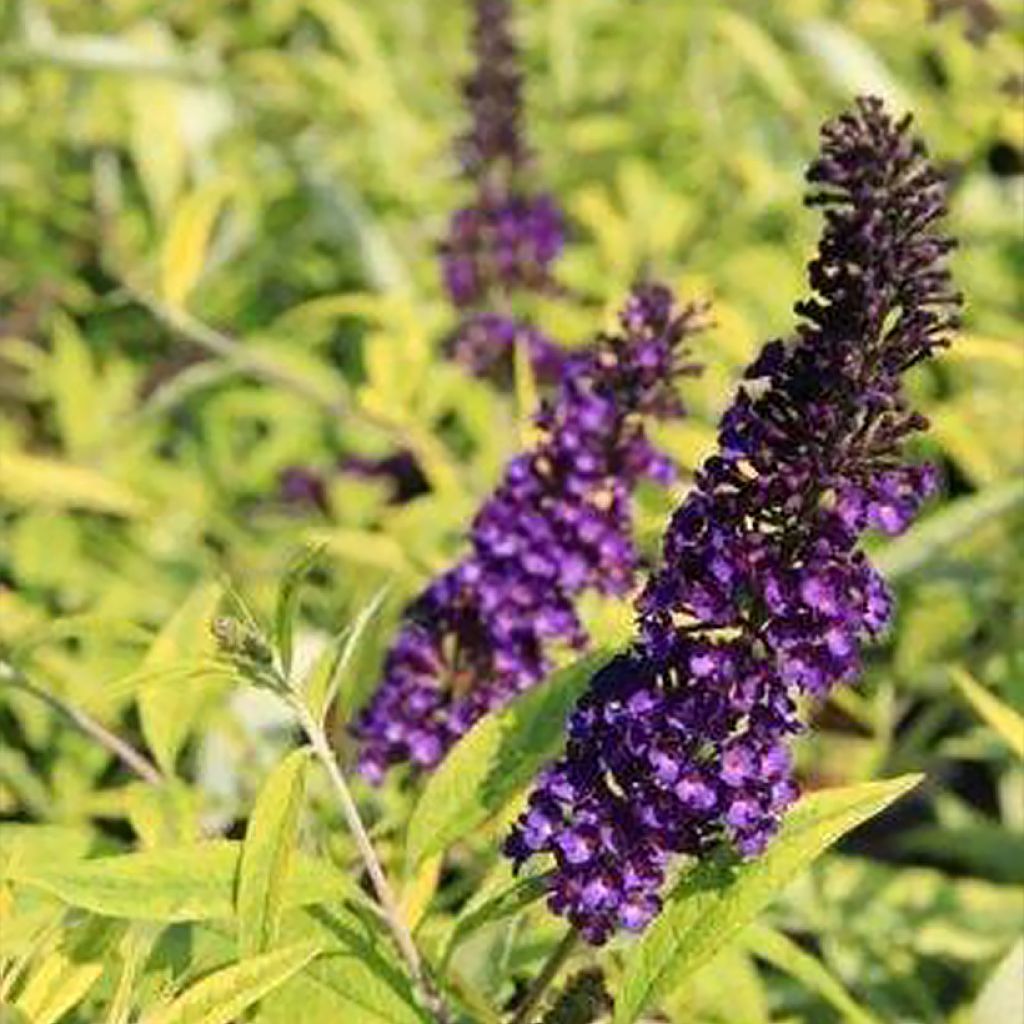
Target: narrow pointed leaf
x: 495, y: 760
x: 715, y: 900
x: 188, y: 883
x: 782, y: 952
x: 288, y: 602
x: 1000, y: 717
x: 327, y: 674
x: 168, y: 713
x: 268, y: 854
x: 224, y: 995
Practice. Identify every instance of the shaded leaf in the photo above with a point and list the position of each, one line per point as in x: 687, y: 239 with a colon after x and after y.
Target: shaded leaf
x: 495, y: 760
x: 782, y: 952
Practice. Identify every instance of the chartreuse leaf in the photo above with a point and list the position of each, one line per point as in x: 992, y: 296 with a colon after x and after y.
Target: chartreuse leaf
x: 168, y: 713
x: 135, y: 948
x: 63, y: 977
x: 329, y: 670
x: 74, y: 386
x: 186, y: 883
x: 1000, y: 717
x: 33, y: 481
x: 495, y: 760
x: 782, y: 952
x: 268, y: 853
x: 222, y: 996
x: 288, y: 603
x: 188, y: 237
x: 715, y: 900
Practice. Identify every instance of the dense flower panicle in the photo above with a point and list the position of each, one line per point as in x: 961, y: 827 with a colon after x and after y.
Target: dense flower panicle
x: 559, y: 524
x: 762, y: 594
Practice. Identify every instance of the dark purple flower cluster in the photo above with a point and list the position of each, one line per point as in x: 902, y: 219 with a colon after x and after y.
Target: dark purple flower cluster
x: 559, y: 524
x: 762, y: 595
x: 506, y: 240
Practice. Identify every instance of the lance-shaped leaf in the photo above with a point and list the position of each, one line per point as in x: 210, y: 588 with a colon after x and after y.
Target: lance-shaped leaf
x: 188, y: 883
x: 223, y: 996
x: 715, y: 900
x: 268, y: 853
x: 1000, y: 717
x: 495, y: 760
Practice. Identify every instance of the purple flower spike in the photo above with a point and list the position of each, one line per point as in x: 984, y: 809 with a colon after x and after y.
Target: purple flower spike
x: 762, y: 594
x: 505, y: 241
x: 560, y: 523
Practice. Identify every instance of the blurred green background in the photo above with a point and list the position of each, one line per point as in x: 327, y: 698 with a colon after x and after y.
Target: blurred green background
x: 218, y: 224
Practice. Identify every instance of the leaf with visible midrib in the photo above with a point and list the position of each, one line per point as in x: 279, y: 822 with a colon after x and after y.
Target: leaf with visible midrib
x: 495, y: 759
x: 189, y: 883
x: 268, y: 853
x: 223, y: 995
x: 714, y: 901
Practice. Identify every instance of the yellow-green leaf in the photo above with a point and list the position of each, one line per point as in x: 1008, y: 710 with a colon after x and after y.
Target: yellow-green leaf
x: 268, y: 853
x: 328, y: 672
x: 715, y: 900
x: 1000, y: 717
x: 221, y: 997
x: 186, y: 883
x: 168, y: 712
x: 183, y: 255
x: 495, y: 760
x: 34, y: 481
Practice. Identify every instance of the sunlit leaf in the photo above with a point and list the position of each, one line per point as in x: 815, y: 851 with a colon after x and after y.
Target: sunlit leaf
x: 716, y: 899
x: 268, y: 854
x: 222, y: 996
x: 188, y: 883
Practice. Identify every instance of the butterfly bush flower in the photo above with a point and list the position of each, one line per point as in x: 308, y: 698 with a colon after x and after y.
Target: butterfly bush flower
x: 506, y: 240
x: 763, y: 594
x: 559, y: 524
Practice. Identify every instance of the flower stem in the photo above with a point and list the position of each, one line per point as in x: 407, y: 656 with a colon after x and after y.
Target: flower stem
x: 385, y: 896
x: 121, y: 749
x: 548, y: 973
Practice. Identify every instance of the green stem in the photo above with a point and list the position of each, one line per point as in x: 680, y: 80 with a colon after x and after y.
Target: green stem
x: 121, y: 749
x: 391, y: 913
x: 548, y: 973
